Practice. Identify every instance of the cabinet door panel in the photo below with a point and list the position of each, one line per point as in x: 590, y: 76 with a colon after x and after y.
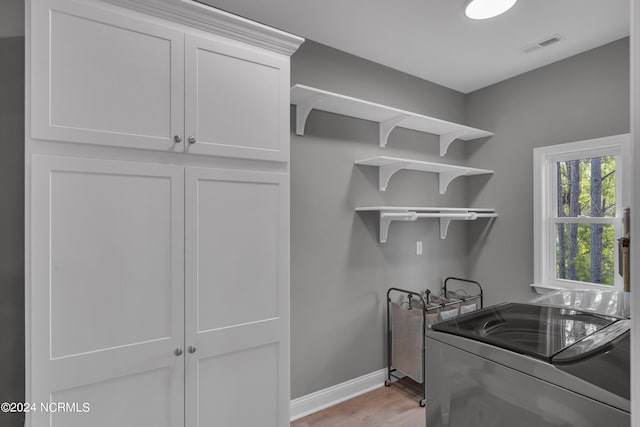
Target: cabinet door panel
x: 237, y: 296
x: 107, y: 296
x: 238, y: 228
x: 135, y: 400
x: 229, y: 384
x: 104, y: 78
x: 237, y: 101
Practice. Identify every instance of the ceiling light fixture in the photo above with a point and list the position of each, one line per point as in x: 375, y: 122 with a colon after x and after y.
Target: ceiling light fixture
x: 485, y: 9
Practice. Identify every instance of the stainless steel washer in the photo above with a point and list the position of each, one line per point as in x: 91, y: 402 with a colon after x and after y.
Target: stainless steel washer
x: 528, y: 365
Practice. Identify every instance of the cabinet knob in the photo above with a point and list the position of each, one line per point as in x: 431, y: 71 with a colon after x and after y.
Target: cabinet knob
x: 177, y: 139
x: 192, y: 140
x: 192, y: 349
x: 178, y: 352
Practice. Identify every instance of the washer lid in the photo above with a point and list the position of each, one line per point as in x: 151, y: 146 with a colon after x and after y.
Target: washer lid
x: 602, y: 359
x: 538, y: 331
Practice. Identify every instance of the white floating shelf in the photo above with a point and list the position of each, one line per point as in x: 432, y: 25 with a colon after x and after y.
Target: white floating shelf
x: 447, y: 173
x: 307, y: 98
x: 388, y: 214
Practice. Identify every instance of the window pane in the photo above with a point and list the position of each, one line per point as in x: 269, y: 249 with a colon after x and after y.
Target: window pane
x: 586, y: 187
x: 584, y: 252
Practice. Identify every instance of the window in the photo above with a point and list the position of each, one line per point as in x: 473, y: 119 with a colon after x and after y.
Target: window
x: 579, y: 191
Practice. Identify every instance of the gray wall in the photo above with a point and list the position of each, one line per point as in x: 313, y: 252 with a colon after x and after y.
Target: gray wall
x: 11, y: 18
x: 583, y: 97
x: 12, y: 226
x: 339, y: 271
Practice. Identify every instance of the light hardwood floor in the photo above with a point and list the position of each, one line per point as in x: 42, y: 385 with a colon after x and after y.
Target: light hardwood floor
x: 394, y: 406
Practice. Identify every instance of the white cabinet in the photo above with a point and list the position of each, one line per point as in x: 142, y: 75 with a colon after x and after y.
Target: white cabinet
x: 115, y: 294
x: 101, y: 77
x: 107, y: 291
x: 234, y: 103
x: 237, y: 307
x: 132, y: 83
x: 157, y: 279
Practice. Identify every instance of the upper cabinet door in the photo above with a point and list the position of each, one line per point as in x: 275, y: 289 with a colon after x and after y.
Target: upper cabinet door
x: 104, y: 78
x: 236, y: 101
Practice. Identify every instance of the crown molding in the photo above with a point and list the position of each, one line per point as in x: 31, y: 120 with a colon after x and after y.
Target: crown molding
x: 207, y: 18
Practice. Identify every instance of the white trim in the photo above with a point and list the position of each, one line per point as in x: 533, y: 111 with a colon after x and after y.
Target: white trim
x: 215, y: 21
x: 585, y: 220
x: 319, y: 400
x: 558, y: 151
x: 543, y: 217
x: 635, y: 209
x: 545, y: 289
x: 27, y: 211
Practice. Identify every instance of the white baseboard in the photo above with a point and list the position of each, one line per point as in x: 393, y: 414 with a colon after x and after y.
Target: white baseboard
x: 314, y: 402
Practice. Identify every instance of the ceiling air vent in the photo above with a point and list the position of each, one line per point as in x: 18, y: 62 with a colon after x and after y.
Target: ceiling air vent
x: 547, y: 41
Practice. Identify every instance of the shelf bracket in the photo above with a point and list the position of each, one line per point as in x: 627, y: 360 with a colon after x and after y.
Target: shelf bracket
x: 386, y: 172
x: 444, y: 227
x: 447, y: 177
x: 445, y: 221
x: 302, y: 112
x: 386, y: 218
x: 387, y: 126
x: 447, y: 138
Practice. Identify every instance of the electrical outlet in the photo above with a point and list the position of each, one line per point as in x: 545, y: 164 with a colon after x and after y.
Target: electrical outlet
x: 419, y: 247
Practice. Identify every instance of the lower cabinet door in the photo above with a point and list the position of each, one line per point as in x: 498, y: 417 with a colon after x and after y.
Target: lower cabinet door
x: 106, y: 293
x: 237, y: 298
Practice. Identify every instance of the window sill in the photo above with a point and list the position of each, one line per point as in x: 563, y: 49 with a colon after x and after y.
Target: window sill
x: 594, y: 298
x: 545, y: 289
x: 542, y: 288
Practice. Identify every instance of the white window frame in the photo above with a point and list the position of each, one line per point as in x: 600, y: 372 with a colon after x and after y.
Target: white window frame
x: 544, y: 196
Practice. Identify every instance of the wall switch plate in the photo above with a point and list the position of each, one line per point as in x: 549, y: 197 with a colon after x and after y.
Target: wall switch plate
x: 419, y: 247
